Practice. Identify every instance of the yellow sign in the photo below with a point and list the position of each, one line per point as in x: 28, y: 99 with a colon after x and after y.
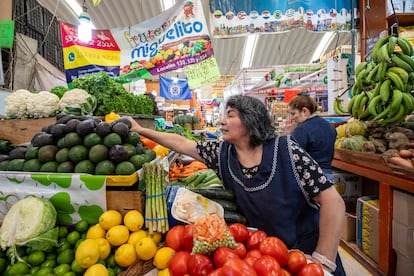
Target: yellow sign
x: 202, y: 73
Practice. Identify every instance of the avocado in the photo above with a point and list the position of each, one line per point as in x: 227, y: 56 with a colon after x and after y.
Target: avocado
x: 73, y: 139
x: 103, y: 129
x: 133, y: 138
x: 49, y: 128
x: 63, y: 118
x: 61, y: 143
x: 57, y: 130
x: 62, y: 155
x: 4, y: 157
x: 18, y: 153
x: 42, y: 139
x: 32, y: 165
x: 92, y: 139
x: 131, y: 149
x: 15, y: 165
x: 47, y: 153
x: 78, y: 153
x: 112, y: 139
x: 118, y: 154
x: 105, y: 167
x: 50, y: 166
x: 65, y: 167
x: 98, y: 153
x: 138, y: 160
x: 124, y: 121
x: 3, y: 165
x: 121, y: 129
x: 71, y: 125
x: 31, y: 152
x: 86, y: 127
x: 85, y: 166
x: 125, y: 168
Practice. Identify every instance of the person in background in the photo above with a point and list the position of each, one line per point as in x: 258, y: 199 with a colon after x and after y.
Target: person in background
x: 278, y: 187
x: 313, y: 133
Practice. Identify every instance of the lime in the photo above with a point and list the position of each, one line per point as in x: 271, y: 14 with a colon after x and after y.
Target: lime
x: 63, y: 245
x: 69, y: 273
x: 19, y: 268
x: 82, y: 226
x: 45, y: 271
x: 36, y: 258
x: 51, y: 256
x: 61, y: 269
x: 49, y: 263
x: 66, y: 256
x: 34, y: 270
x: 73, y: 237
x: 75, y: 267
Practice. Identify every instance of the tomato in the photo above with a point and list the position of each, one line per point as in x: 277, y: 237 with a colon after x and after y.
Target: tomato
x: 174, y: 237
x: 266, y: 266
x: 284, y: 272
x: 311, y: 269
x: 216, y: 272
x: 178, y: 263
x: 222, y: 254
x: 199, y: 265
x: 237, y: 267
x: 276, y: 248
x: 239, y: 232
x: 240, y: 250
x: 255, y: 238
x: 296, y: 261
x: 188, y: 237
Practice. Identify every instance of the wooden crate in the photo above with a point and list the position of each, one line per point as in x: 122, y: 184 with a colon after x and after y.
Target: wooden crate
x: 123, y: 201
x: 21, y: 131
x: 364, y: 159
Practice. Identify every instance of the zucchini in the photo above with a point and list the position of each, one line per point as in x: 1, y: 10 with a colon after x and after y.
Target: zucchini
x: 226, y: 204
x: 215, y: 193
x: 233, y: 217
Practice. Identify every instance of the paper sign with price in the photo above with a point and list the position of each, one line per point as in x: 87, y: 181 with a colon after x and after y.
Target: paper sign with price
x: 202, y: 73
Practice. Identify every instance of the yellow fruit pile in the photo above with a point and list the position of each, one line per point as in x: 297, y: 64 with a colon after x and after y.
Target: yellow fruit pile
x: 124, y: 236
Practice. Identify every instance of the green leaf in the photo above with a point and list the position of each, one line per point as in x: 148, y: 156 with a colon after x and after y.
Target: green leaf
x: 45, y: 241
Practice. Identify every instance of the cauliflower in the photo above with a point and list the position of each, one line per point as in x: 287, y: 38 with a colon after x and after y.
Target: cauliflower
x: 42, y: 105
x: 77, y: 101
x: 15, y: 105
x: 24, y: 104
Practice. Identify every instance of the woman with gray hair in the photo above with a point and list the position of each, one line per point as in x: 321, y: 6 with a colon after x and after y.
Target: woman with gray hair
x: 279, y: 188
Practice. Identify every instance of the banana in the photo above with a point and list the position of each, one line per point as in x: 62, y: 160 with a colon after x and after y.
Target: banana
x: 362, y: 106
x: 356, y: 106
x: 400, y: 72
x: 338, y: 107
x: 401, y: 63
x: 373, y: 104
x: 376, y: 89
x: 385, y: 91
x: 396, y: 80
x: 398, y: 117
x: 355, y: 90
x: 392, y: 42
x: 381, y: 41
x: 381, y: 71
x: 407, y: 59
x: 360, y: 66
x: 395, y: 100
x: 383, y: 54
x: 405, y: 46
x: 383, y: 114
x: 351, y: 103
x: 361, y: 76
x: 408, y: 103
x: 372, y: 74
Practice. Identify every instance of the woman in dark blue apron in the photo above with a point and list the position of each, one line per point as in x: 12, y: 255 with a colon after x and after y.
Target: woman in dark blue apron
x: 279, y: 188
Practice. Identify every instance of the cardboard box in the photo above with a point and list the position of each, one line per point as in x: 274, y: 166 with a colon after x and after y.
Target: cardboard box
x: 367, y: 226
x: 349, y: 186
x: 403, y: 239
x: 349, y: 231
x: 403, y: 208
x: 405, y: 265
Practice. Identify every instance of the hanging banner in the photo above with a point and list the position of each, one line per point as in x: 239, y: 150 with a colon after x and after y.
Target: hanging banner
x: 236, y: 18
x: 174, y: 89
x: 175, y: 39
x: 202, y: 73
x: 101, y: 54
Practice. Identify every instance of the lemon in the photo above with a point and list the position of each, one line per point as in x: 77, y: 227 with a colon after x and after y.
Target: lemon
x: 163, y: 257
x: 125, y: 255
x: 117, y: 235
x: 110, y: 218
x: 156, y: 237
x: 136, y: 236
x: 96, y: 270
x: 87, y: 253
x: 164, y: 272
x: 104, y: 248
x: 95, y: 232
x: 134, y: 220
x: 146, y: 248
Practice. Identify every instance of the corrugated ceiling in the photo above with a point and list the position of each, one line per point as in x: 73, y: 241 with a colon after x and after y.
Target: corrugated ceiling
x: 294, y: 47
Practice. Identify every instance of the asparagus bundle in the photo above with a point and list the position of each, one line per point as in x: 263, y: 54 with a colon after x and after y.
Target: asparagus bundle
x: 156, y: 217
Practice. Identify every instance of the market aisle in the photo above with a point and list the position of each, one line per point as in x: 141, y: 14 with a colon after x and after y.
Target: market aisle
x: 351, y: 266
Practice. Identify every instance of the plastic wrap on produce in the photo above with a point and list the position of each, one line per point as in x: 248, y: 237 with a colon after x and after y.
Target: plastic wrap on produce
x: 75, y: 196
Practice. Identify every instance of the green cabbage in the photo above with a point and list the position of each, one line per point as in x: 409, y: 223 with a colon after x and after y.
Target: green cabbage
x: 31, y: 222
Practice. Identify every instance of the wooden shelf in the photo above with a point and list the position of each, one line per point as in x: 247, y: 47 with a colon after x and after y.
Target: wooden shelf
x: 404, y: 19
x: 361, y: 257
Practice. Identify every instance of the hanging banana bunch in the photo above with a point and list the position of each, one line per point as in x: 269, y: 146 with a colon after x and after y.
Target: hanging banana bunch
x: 382, y: 86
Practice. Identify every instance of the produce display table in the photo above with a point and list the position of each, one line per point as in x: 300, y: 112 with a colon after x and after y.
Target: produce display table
x: 372, y: 166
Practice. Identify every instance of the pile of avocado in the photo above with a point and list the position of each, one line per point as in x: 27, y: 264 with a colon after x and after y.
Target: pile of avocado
x: 81, y: 144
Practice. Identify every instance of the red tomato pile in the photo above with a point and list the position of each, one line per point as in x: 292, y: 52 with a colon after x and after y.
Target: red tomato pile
x: 256, y: 254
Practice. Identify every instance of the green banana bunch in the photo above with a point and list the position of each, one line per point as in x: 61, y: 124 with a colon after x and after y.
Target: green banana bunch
x: 338, y: 106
